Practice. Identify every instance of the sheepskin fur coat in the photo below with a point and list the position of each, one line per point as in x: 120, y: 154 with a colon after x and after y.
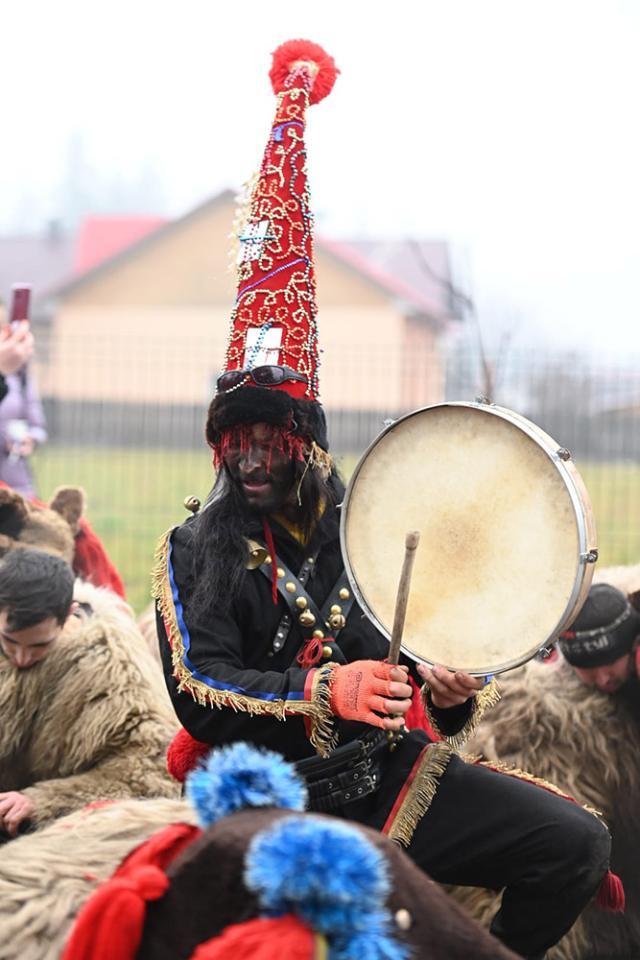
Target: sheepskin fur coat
x: 585, y: 742
x: 91, y: 721
x: 46, y: 876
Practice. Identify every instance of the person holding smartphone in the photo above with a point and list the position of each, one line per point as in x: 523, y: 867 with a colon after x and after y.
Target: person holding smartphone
x: 16, y: 349
x: 22, y: 423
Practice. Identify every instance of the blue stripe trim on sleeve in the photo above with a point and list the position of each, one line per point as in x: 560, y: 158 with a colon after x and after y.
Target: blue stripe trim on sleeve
x: 186, y: 639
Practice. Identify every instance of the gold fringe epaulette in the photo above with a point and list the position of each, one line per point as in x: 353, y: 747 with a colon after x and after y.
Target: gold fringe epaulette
x: 317, y: 709
x: 419, y: 795
x: 483, y: 700
x: 323, y: 736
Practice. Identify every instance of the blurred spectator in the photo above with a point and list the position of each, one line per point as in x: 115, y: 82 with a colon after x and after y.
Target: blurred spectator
x: 16, y: 348
x: 22, y: 424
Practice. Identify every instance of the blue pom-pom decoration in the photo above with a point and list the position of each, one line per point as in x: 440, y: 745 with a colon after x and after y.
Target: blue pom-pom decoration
x: 332, y: 877
x: 240, y: 776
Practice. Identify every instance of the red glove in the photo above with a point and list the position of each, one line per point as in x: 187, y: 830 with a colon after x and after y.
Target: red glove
x: 359, y: 688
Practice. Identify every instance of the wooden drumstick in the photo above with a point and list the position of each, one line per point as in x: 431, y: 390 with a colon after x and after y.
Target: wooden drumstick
x: 402, y: 599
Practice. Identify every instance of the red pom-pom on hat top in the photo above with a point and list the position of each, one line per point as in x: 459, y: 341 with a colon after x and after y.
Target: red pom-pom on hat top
x: 293, y: 51
x: 273, y: 321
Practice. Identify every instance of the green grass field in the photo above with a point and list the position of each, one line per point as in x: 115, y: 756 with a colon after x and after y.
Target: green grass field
x: 135, y: 495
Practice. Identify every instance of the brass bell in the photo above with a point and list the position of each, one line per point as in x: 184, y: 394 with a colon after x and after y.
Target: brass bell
x: 337, y: 621
x: 192, y: 503
x: 257, y: 555
x: 306, y: 618
x: 318, y: 634
x: 301, y: 602
x: 344, y: 594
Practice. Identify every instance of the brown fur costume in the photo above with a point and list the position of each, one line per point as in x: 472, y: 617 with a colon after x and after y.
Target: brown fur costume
x: 208, y: 893
x: 26, y: 524
x: 91, y: 720
x: 548, y: 722
x: 45, y: 877
x: 59, y: 528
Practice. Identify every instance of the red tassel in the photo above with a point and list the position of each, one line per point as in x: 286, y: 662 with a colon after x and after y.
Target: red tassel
x: 111, y: 921
x: 274, y: 560
x: 311, y: 653
x: 611, y: 893
x: 287, y: 53
x: 282, y: 439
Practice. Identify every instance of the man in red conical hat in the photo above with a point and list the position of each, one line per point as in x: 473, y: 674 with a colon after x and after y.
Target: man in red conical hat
x: 257, y: 619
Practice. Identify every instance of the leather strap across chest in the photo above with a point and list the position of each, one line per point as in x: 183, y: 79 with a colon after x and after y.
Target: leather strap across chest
x: 327, y: 621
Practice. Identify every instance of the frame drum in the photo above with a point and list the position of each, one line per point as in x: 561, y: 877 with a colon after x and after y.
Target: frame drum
x: 507, y: 537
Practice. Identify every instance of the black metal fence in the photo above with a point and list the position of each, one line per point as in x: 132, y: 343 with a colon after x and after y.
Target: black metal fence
x: 588, y: 406
x: 138, y: 458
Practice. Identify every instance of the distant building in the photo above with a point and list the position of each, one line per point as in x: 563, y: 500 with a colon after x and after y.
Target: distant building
x: 141, y: 316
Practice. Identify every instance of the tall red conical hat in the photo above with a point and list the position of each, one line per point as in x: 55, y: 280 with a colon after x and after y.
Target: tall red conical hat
x: 273, y: 322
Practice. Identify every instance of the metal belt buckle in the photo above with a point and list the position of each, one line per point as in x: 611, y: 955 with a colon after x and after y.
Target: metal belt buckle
x: 365, y: 787
x: 361, y: 770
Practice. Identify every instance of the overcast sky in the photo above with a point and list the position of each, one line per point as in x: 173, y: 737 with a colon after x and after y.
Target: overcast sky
x: 507, y: 127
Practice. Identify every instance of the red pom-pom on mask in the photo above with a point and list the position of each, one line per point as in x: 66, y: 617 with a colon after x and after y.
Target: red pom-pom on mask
x: 287, y: 54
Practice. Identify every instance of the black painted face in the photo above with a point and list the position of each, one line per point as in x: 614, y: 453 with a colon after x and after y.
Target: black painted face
x: 261, y: 471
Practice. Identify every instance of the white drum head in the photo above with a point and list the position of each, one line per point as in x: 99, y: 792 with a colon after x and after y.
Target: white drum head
x: 498, y: 571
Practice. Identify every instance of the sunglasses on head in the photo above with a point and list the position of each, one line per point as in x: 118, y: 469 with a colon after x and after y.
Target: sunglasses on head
x: 267, y: 376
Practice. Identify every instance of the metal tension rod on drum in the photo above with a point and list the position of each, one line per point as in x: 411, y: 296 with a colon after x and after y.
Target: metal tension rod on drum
x: 411, y: 542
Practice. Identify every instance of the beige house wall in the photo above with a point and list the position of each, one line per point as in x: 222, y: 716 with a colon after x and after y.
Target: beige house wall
x: 372, y: 360
x: 153, y: 326
x: 186, y: 265
x: 136, y: 354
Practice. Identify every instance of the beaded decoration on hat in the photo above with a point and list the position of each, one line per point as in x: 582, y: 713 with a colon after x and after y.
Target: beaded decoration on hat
x: 273, y: 322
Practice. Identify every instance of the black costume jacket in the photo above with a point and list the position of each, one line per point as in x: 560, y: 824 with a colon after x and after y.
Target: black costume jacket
x: 263, y: 695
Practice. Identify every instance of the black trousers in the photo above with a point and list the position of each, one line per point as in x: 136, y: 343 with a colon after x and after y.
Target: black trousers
x: 487, y: 829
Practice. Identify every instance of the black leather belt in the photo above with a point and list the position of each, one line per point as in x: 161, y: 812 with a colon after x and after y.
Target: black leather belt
x: 350, y: 773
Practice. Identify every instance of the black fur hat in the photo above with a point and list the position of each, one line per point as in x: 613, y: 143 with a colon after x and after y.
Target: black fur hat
x: 247, y: 405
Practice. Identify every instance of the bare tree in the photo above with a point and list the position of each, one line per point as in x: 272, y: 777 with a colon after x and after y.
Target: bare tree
x: 489, y: 371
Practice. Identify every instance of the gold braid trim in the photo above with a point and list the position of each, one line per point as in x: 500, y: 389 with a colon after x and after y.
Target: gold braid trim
x: 317, y: 709
x: 529, y: 778
x: 421, y: 792
x: 483, y: 700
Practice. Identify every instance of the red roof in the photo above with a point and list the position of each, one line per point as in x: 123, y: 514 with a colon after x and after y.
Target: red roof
x: 101, y: 238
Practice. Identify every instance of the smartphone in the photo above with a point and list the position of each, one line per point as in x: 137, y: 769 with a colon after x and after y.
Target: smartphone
x: 20, y: 299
